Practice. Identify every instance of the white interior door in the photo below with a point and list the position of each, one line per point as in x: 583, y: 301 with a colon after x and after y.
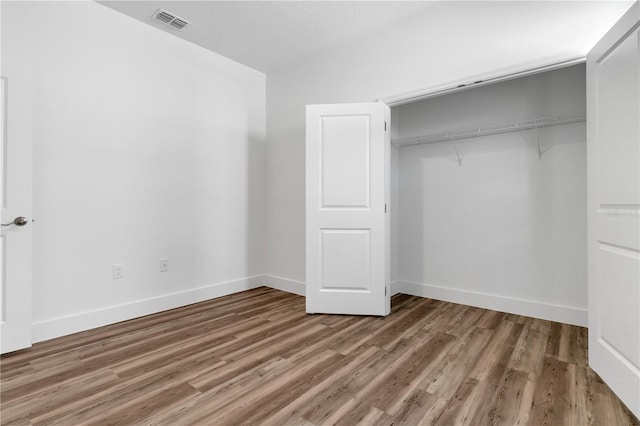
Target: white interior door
x: 15, y: 202
x: 348, y: 150
x: 613, y: 105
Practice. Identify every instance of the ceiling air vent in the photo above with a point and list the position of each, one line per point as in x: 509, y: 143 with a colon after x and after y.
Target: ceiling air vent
x: 178, y: 23
x: 170, y: 19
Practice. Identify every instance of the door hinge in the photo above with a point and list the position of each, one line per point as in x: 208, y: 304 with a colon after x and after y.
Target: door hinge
x: 385, y: 291
x: 385, y: 126
x: 385, y: 207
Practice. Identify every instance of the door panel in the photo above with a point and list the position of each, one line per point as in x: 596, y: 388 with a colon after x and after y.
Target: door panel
x: 345, y: 259
x: 619, y: 278
x: 618, y: 89
x: 613, y: 107
x: 347, y: 223
x: 345, y: 169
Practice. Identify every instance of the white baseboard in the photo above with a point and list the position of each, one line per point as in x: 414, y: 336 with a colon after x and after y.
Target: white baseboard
x: 284, y: 284
x: 74, y: 323
x: 62, y: 326
x: 546, y: 311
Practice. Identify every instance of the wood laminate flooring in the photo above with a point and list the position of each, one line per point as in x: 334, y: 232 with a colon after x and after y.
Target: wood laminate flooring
x: 256, y: 358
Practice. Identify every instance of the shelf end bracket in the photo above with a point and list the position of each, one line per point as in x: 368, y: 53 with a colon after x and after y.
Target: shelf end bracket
x: 460, y: 157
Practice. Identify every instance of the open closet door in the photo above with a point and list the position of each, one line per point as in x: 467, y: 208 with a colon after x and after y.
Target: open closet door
x: 347, y: 230
x: 613, y: 108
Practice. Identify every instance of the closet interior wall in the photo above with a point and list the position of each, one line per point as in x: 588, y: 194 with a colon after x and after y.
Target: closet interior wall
x: 506, y: 229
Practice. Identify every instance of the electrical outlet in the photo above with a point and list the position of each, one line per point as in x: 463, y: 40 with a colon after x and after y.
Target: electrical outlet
x: 164, y: 264
x: 118, y: 270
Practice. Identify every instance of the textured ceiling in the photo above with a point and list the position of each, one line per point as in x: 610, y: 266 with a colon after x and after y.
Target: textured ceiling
x: 269, y: 34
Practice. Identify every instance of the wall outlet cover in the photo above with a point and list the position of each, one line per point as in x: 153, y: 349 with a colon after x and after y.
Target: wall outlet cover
x: 164, y: 264
x: 118, y: 271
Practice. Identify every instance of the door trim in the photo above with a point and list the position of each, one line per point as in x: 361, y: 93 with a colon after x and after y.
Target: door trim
x: 479, y: 80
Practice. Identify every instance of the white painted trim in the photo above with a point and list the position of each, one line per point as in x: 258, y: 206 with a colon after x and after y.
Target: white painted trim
x: 62, y: 326
x: 564, y: 314
x: 284, y: 284
x: 395, y: 288
x: 478, y: 80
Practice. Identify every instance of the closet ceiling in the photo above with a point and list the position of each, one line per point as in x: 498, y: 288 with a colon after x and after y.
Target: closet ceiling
x: 268, y: 34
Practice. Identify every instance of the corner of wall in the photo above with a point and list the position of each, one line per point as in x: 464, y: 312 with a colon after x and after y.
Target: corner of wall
x: 546, y: 311
x: 284, y: 284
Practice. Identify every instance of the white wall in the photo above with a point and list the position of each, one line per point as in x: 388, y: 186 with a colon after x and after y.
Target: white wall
x: 146, y: 146
x: 448, y: 42
x: 507, y: 229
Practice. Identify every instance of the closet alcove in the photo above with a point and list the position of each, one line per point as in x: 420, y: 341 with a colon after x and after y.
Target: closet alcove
x: 489, y: 195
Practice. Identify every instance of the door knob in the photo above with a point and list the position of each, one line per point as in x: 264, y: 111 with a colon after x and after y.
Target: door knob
x: 18, y: 221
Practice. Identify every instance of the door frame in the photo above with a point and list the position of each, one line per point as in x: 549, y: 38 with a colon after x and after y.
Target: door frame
x: 479, y: 80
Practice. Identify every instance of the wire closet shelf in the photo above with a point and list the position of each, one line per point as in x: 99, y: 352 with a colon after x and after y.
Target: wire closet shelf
x: 516, y: 126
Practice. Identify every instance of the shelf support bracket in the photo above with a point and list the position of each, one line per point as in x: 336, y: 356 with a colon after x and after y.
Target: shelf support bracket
x: 460, y: 157
x: 540, y: 149
x: 538, y: 142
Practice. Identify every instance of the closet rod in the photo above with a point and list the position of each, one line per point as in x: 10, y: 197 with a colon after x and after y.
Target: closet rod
x: 516, y: 126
